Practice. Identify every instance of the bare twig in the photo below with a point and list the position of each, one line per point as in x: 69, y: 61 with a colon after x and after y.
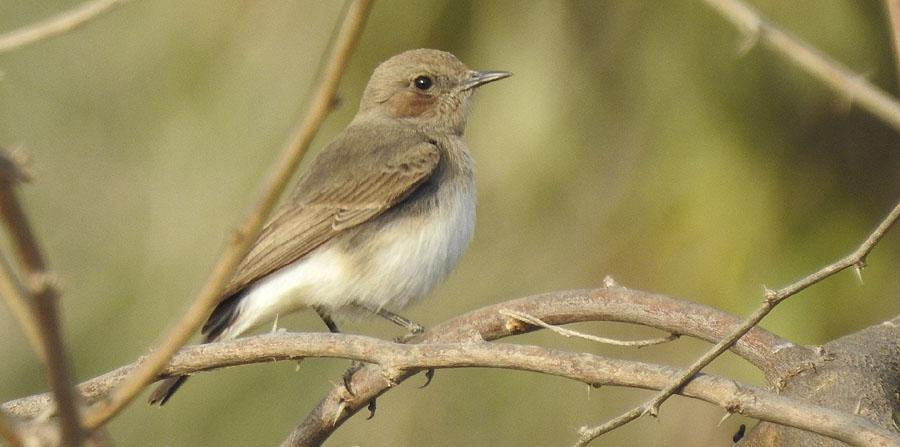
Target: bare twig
x: 893, y: 8
x: 849, y: 84
x: 44, y: 299
x: 15, y: 297
x: 348, y: 34
x: 855, y: 259
x: 394, y: 359
x: 565, y: 332
x: 55, y: 26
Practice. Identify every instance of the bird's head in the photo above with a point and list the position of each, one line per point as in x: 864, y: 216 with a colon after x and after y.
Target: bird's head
x: 423, y: 88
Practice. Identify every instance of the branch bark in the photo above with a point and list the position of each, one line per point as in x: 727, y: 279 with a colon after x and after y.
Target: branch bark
x: 855, y: 259
x: 395, y: 360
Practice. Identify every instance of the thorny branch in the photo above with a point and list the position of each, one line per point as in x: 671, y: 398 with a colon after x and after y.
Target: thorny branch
x: 852, y: 86
x: 395, y: 359
x: 855, y: 259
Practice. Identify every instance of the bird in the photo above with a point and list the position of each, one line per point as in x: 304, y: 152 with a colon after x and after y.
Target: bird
x: 382, y: 214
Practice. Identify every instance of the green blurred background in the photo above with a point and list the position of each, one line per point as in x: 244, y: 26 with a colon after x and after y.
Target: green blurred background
x: 634, y: 140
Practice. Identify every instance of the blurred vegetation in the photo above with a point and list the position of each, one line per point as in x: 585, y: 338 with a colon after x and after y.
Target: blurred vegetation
x: 634, y: 140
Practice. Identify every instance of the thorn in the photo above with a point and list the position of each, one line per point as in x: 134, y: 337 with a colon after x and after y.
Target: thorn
x: 609, y: 282
x: 769, y: 294
x: 727, y: 415
x: 339, y: 412
x: 858, y: 269
x: 275, y: 325
x: 653, y: 410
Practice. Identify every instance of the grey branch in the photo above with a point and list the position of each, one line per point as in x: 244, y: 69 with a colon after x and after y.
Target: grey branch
x: 394, y: 360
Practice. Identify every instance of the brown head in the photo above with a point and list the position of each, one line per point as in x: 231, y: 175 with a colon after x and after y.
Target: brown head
x: 424, y: 88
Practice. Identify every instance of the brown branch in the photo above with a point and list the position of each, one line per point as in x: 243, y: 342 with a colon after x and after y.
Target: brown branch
x: 849, y: 84
x: 607, y: 304
x: 321, y: 105
x: 44, y: 304
x: 55, y: 26
x: 15, y: 296
x: 394, y: 360
x: 856, y: 258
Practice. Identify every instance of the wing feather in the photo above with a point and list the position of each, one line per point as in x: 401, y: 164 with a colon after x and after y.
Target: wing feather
x: 328, y: 201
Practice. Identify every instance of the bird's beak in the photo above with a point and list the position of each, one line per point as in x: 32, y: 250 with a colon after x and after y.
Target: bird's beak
x: 479, y: 78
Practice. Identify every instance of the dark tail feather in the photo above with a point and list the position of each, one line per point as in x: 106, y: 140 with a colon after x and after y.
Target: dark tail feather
x: 166, y: 389
x: 222, y: 316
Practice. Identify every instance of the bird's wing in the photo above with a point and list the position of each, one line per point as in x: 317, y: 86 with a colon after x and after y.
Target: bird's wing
x: 374, y: 175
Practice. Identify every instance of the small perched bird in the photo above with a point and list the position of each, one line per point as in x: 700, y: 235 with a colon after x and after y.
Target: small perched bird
x: 380, y: 217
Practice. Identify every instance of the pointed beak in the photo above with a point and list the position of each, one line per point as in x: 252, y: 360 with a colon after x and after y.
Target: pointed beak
x: 479, y: 78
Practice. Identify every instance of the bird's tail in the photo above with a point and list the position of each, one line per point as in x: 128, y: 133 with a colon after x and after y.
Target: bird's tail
x: 166, y: 389
x: 221, y: 318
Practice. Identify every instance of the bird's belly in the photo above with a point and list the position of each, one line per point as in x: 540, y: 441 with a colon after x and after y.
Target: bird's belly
x: 397, y: 263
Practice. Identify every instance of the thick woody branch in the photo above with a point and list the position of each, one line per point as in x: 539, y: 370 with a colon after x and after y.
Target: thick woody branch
x: 283, y: 169
x: 394, y: 360
x: 850, y: 85
x: 44, y: 299
x: 55, y: 26
x: 609, y: 304
x: 773, y: 298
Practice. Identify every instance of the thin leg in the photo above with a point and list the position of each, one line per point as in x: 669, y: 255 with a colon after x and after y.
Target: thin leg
x: 411, y: 326
x: 332, y: 327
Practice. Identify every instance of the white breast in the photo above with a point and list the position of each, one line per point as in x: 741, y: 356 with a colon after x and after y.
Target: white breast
x: 405, y: 261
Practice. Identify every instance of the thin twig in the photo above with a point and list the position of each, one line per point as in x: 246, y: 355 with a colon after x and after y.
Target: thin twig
x: 321, y: 105
x: 849, y: 84
x: 565, y: 332
x: 8, y: 433
x: 44, y: 299
x: 854, y: 259
x: 893, y: 8
x: 55, y: 26
x: 15, y: 297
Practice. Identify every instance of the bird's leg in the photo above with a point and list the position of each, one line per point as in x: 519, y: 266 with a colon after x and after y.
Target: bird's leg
x: 354, y: 364
x: 414, y: 330
x: 411, y: 326
x: 326, y: 318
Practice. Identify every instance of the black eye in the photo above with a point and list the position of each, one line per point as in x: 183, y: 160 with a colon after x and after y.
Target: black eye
x: 423, y: 82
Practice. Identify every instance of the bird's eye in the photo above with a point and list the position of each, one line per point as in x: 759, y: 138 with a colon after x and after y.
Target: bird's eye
x: 423, y: 82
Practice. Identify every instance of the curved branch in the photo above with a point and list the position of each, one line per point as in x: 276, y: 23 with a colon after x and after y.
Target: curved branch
x: 773, y: 297
x: 395, y: 360
x: 488, y: 323
x: 55, y: 26
x: 852, y: 85
x: 284, y: 168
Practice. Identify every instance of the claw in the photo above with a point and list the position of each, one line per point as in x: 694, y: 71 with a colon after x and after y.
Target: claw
x: 428, y: 376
